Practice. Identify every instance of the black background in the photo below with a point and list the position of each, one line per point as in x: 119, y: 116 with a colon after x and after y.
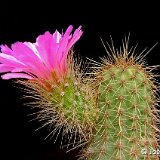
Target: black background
x: 24, y: 21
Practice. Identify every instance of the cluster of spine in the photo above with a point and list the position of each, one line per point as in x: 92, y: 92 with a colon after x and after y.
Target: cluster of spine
x: 127, y: 102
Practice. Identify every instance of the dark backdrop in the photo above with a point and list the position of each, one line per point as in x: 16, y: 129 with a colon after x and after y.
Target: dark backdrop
x: 24, y: 21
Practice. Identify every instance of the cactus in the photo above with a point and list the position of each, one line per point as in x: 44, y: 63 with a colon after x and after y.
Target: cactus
x: 54, y: 81
x: 127, y: 99
x: 112, y: 115
x: 67, y: 107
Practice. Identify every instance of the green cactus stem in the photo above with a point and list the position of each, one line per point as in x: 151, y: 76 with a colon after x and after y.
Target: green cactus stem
x: 127, y: 99
x: 66, y: 107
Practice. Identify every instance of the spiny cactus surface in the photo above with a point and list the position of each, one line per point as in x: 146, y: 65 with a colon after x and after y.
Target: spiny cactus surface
x: 67, y: 106
x: 127, y: 99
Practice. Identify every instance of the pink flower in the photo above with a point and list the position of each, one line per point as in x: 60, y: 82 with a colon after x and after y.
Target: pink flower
x: 38, y: 60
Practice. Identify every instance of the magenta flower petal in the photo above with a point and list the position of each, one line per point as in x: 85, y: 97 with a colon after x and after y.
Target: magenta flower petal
x: 22, y: 52
x: 5, y: 68
x: 63, y: 44
x: 5, y: 49
x: 71, y: 41
x: 43, y: 46
x: 10, y: 60
x: 29, y: 58
x: 56, y: 36
x: 54, y: 46
x: 16, y: 75
x: 77, y: 34
x: 41, y: 59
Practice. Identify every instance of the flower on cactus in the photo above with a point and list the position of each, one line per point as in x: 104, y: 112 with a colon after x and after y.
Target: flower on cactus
x: 38, y: 60
x: 55, y: 83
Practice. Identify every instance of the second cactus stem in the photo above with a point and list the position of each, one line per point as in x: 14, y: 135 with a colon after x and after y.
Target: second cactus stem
x: 127, y: 98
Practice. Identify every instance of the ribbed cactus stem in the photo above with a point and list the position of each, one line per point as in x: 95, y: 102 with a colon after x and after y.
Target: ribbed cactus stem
x: 66, y: 105
x: 128, y: 115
